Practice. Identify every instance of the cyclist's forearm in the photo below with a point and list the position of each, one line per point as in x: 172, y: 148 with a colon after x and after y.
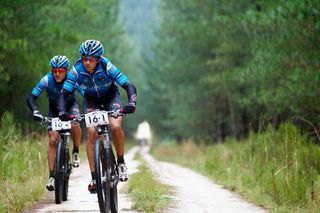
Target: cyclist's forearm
x: 62, y: 102
x: 131, y: 91
x: 31, y: 101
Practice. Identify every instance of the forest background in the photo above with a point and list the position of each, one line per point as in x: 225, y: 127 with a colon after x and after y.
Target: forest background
x: 204, y: 69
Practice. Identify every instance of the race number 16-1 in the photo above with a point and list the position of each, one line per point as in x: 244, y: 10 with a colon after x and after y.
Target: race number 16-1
x: 96, y: 118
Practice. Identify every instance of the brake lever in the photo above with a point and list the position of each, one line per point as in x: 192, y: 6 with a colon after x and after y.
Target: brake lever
x: 76, y: 119
x: 117, y: 113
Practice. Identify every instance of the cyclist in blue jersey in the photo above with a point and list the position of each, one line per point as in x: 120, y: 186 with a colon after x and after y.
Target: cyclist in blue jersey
x: 97, y: 77
x: 52, y: 82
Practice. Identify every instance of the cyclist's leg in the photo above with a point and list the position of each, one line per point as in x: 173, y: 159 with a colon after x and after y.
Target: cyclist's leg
x: 75, y: 128
x: 92, y: 137
x: 119, y: 140
x: 89, y: 106
x: 76, y: 135
x: 114, y: 102
x: 76, y: 138
x: 51, y: 152
x: 53, y: 138
x: 118, y: 135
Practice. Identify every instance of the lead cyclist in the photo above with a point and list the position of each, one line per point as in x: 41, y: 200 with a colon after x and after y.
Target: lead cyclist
x: 97, y: 77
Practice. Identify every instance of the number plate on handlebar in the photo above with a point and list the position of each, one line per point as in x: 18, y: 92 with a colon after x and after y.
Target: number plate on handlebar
x: 57, y: 124
x: 96, y: 118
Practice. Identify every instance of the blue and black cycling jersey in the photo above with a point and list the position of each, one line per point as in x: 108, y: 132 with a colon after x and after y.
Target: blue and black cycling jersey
x: 99, y: 83
x: 53, y: 89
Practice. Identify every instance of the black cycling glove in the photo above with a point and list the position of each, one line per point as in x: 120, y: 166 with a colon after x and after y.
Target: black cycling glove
x: 64, y: 116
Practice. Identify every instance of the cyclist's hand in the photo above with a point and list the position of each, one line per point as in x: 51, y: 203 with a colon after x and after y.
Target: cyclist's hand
x: 64, y: 116
x: 130, y: 108
x: 37, y: 115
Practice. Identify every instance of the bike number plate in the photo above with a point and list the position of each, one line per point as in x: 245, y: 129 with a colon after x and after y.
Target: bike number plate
x: 96, y: 118
x: 57, y: 124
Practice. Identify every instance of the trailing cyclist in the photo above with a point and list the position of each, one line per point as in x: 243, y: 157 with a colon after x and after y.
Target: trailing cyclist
x: 96, y: 76
x: 52, y: 83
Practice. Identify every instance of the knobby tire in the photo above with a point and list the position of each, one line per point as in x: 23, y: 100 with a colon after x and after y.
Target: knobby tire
x: 58, y: 184
x: 113, y: 191
x: 67, y: 171
x: 103, y: 191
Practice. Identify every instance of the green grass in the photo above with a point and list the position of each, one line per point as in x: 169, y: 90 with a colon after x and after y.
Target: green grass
x: 23, y: 168
x: 279, y: 169
x: 147, y: 193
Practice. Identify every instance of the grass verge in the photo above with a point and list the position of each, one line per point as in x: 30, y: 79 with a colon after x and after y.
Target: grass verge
x: 23, y: 168
x: 147, y: 193
x: 279, y: 169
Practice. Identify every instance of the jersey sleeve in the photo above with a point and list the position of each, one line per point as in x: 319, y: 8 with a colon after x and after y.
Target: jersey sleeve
x: 116, y: 74
x: 71, y: 82
x: 41, y: 86
x: 79, y: 89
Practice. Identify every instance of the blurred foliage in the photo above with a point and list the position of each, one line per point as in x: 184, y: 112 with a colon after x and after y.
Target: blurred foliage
x: 223, y: 67
x: 216, y: 68
x: 33, y: 31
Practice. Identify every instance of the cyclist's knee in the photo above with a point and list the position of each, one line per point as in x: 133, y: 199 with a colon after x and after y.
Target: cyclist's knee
x: 52, y: 141
x: 91, y: 131
x: 91, y: 134
x: 53, y: 137
x: 75, y: 127
x: 116, y: 128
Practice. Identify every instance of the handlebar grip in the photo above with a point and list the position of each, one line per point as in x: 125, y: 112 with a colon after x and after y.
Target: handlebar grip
x: 71, y: 117
x: 128, y: 109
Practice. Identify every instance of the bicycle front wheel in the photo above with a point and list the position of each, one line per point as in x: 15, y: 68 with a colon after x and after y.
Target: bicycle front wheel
x: 58, y: 184
x: 103, y: 188
x: 66, y: 172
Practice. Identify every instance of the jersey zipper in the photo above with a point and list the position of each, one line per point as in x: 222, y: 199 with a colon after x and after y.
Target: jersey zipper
x: 95, y: 85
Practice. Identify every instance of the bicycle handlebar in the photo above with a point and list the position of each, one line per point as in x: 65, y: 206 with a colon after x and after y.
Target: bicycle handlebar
x: 114, y: 113
x: 78, y: 118
x: 44, y: 119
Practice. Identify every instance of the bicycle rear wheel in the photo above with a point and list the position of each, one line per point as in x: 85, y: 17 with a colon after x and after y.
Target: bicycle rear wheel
x: 58, y: 184
x: 103, y: 189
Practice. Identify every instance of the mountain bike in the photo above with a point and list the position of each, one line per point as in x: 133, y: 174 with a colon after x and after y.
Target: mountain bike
x: 63, y: 165
x: 106, y: 167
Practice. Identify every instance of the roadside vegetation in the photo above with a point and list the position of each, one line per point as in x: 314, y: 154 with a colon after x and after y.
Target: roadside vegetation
x: 277, y: 169
x: 147, y: 193
x: 23, y: 167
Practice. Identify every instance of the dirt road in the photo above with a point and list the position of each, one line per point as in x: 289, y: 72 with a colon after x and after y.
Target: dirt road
x: 192, y: 192
x: 196, y: 193
x: 80, y: 200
